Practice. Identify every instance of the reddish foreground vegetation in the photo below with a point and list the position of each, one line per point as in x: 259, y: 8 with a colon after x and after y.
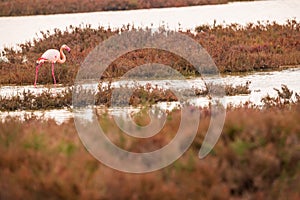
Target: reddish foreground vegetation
x: 256, y: 157
x: 233, y: 48
x: 31, y: 7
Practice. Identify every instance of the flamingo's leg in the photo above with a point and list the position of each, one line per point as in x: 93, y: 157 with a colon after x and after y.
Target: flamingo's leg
x: 53, y: 74
x: 36, y: 73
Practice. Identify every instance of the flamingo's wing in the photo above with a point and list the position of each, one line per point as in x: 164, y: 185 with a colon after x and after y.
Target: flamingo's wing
x: 51, y: 55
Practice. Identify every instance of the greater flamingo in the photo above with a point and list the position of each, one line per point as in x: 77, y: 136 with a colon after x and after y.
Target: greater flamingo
x: 51, y: 56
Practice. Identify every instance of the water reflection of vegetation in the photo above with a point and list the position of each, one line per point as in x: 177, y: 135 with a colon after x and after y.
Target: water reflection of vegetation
x: 140, y: 95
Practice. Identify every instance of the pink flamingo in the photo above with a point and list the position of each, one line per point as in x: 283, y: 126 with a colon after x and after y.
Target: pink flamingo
x: 51, y: 56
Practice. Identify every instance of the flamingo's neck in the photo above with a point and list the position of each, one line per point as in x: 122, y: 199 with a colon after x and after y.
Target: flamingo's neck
x: 62, y: 58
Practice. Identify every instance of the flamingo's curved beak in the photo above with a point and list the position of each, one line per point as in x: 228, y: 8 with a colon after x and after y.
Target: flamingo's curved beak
x: 67, y: 48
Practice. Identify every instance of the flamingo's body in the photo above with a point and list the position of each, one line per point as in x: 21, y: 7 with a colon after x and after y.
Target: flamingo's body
x: 51, y: 56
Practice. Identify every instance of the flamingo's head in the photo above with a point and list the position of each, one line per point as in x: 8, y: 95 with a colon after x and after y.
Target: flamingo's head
x: 66, y: 48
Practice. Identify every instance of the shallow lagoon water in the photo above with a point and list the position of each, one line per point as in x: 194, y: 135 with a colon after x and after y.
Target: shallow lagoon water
x: 262, y: 84
x: 16, y: 30
x: 25, y: 28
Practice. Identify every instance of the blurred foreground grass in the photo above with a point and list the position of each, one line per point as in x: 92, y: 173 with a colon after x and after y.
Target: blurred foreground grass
x: 256, y: 157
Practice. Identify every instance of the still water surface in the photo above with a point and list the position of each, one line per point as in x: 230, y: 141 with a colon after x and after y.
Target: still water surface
x: 16, y: 30
x: 262, y: 84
